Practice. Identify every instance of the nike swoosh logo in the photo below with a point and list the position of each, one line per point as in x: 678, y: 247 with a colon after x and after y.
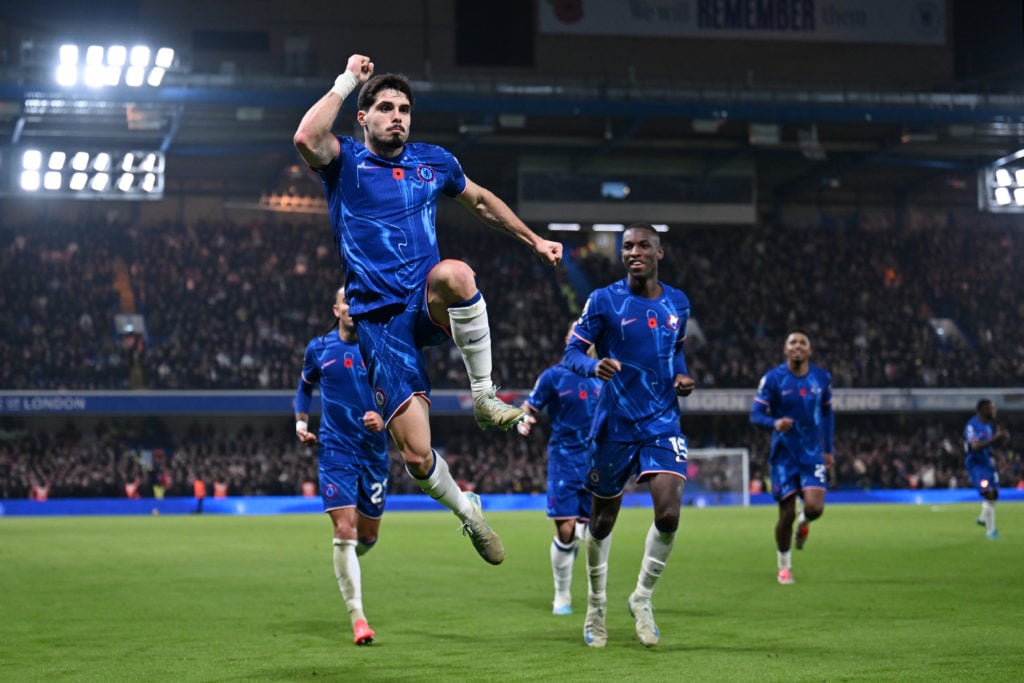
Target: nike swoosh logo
x: 787, y: 391
x: 628, y: 322
x: 474, y: 341
x: 330, y: 362
x: 565, y: 393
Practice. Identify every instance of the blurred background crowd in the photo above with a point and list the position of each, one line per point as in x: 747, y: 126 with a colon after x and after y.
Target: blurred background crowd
x: 232, y: 306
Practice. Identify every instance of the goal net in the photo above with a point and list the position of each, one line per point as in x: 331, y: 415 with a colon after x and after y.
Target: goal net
x: 717, y: 476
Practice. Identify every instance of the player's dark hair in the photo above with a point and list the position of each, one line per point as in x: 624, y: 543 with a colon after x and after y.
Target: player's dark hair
x: 368, y: 93
x: 335, y: 325
x: 800, y: 331
x: 983, y: 402
x: 337, y: 321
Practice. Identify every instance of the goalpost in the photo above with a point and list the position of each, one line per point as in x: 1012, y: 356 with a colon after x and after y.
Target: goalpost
x: 717, y: 476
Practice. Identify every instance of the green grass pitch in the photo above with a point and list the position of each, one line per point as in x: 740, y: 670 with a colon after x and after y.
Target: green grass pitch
x: 883, y: 593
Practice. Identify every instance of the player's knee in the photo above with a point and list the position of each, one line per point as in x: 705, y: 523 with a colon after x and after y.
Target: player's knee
x: 418, y: 464
x: 667, y: 523
x: 600, y: 526
x: 813, y: 511
x: 365, y: 545
x: 453, y: 280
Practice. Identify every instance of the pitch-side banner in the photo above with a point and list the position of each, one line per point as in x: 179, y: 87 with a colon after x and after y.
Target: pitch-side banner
x: 915, y: 22
x: 452, y: 402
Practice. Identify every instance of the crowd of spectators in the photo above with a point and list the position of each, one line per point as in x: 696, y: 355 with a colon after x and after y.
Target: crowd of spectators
x: 57, y: 307
x: 151, y: 457
x: 873, y: 303
x: 232, y: 306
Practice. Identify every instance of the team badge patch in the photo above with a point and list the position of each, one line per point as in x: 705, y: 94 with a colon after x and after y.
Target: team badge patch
x: 330, y: 491
x: 426, y: 174
x: 673, y: 322
x: 594, y: 476
x: 379, y: 397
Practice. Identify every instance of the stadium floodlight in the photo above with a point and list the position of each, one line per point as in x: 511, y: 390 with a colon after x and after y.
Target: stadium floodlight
x: 104, y: 174
x: 608, y: 227
x: 32, y: 160
x: 80, y: 161
x: 1001, y: 185
x: 105, y: 66
x: 566, y: 227
x: 30, y: 181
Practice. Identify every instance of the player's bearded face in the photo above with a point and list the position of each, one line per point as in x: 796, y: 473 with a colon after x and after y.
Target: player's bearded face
x: 387, y: 121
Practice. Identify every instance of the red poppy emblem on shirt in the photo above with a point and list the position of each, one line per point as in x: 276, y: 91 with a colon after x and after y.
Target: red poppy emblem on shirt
x: 583, y: 394
x: 803, y: 392
x: 348, y: 363
x: 398, y: 173
x: 652, y: 322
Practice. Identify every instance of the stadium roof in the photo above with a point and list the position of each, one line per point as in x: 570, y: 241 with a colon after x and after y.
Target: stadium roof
x: 232, y: 133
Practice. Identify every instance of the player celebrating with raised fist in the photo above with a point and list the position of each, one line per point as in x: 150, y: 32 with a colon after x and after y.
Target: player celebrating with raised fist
x: 382, y: 197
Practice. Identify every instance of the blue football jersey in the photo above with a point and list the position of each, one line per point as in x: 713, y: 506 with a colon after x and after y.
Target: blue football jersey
x: 646, y: 336
x: 976, y: 430
x: 569, y: 401
x: 807, y: 400
x: 382, y: 213
x: 337, y: 366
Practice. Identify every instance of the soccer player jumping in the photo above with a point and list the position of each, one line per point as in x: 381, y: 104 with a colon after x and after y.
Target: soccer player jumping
x: 382, y: 198
x: 794, y: 400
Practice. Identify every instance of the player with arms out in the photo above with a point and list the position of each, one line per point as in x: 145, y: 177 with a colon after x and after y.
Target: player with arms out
x: 569, y: 401
x: 353, y: 461
x: 794, y: 400
x: 979, y: 437
x: 382, y: 199
x: 637, y: 326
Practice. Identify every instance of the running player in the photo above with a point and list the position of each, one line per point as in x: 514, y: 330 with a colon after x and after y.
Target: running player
x: 794, y: 400
x: 979, y: 437
x: 569, y: 401
x: 637, y: 326
x: 353, y: 461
